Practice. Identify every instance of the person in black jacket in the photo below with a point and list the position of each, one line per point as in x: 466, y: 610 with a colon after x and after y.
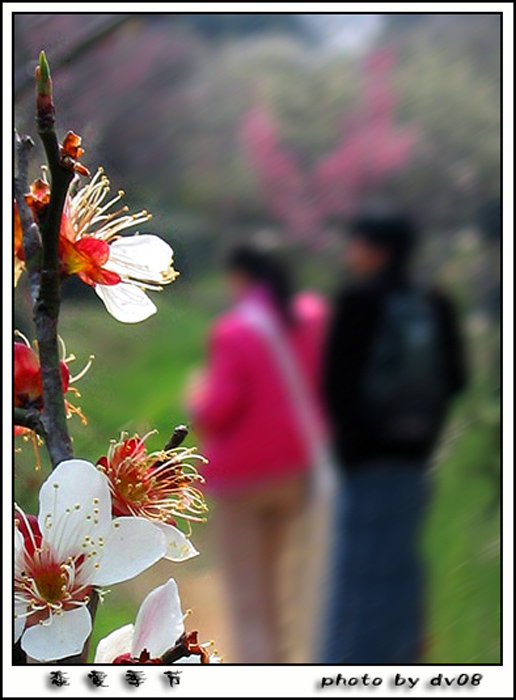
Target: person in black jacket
x: 375, y: 611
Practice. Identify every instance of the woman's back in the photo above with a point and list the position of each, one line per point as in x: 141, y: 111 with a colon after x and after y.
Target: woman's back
x: 246, y: 418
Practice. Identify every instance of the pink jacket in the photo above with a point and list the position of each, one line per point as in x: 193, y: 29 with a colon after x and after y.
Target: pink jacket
x: 249, y: 431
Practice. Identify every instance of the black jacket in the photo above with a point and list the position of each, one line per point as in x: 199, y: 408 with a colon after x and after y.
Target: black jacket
x: 356, y: 314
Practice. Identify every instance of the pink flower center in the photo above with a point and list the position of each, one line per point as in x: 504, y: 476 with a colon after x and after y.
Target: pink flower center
x: 49, y: 579
x: 155, y: 486
x: 48, y: 585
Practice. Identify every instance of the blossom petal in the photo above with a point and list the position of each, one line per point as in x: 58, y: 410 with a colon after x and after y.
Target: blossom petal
x: 18, y: 542
x: 159, y: 622
x: 132, y: 546
x: 74, y: 502
x: 19, y: 619
x: 143, y: 257
x: 179, y: 547
x: 117, y: 643
x: 126, y: 302
x: 27, y: 375
x: 196, y: 659
x: 64, y: 636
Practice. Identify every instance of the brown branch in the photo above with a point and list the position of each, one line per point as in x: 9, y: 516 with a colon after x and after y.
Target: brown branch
x: 186, y: 645
x: 84, y: 40
x: 19, y: 656
x: 177, y: 437
x: 46, y: 308
x: 31, y: 240
x: 29, y: 418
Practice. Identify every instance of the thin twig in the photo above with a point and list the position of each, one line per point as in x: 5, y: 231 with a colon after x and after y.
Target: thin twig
x: 31, y: 242
x: 29, y: 418
x: 178, y: 436
x: 46, y: 308
x: 19, y: 656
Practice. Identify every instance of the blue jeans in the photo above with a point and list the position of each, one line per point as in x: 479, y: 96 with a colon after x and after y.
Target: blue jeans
x: 375, y: 597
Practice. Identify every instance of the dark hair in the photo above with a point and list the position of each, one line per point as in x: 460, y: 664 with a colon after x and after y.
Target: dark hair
x: 386, y: 228
x: 266, y: 267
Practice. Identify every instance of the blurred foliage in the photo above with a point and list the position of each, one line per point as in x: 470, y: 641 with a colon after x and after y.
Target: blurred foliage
x: 230, y: 25
x: 166, y: 86
x: 450, y: 85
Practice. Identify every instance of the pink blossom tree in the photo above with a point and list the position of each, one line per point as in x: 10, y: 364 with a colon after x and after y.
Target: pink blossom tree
x: 370, y: 149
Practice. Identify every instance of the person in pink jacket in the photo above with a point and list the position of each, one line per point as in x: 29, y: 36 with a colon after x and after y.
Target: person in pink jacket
x: 258, y: 414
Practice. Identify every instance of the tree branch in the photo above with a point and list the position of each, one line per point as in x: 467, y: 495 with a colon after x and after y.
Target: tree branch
x: 46, y: 308
x: 29, y: 418
x: 48, y: 303
x: 31, y: 241
x: 19, y: 656
x: 177, y: 437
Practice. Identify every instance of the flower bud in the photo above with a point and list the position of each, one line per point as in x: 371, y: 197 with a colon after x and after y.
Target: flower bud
x: 44, y: 106
x: 27, y: 375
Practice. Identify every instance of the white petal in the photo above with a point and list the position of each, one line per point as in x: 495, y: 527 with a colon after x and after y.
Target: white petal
x: 179, y: 547
x: 65, y: 636
x: 132, y: 546
x: 18, y: 542
x: 117, y: 643
x: 19, y: 621
x: 194, y: 659
x: 126, y: 302
x: 159, y: 622
x: 143, y: 257
x: 73, y: 491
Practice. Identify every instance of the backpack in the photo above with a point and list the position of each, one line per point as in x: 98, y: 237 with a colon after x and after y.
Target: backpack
x: 404, y: 388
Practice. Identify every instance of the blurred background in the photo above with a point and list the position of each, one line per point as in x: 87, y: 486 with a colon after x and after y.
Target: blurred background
x: 229, y: 126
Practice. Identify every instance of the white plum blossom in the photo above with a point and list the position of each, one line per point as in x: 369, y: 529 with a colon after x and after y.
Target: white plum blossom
x: 144, y: 261
x: 74, y: 547
x: 159, y: 628
x: 120, y: 268
x: 155, y: 485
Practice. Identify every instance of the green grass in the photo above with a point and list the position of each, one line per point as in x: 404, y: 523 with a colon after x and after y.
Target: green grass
x: 137, y: 383
x: 463, y: 555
